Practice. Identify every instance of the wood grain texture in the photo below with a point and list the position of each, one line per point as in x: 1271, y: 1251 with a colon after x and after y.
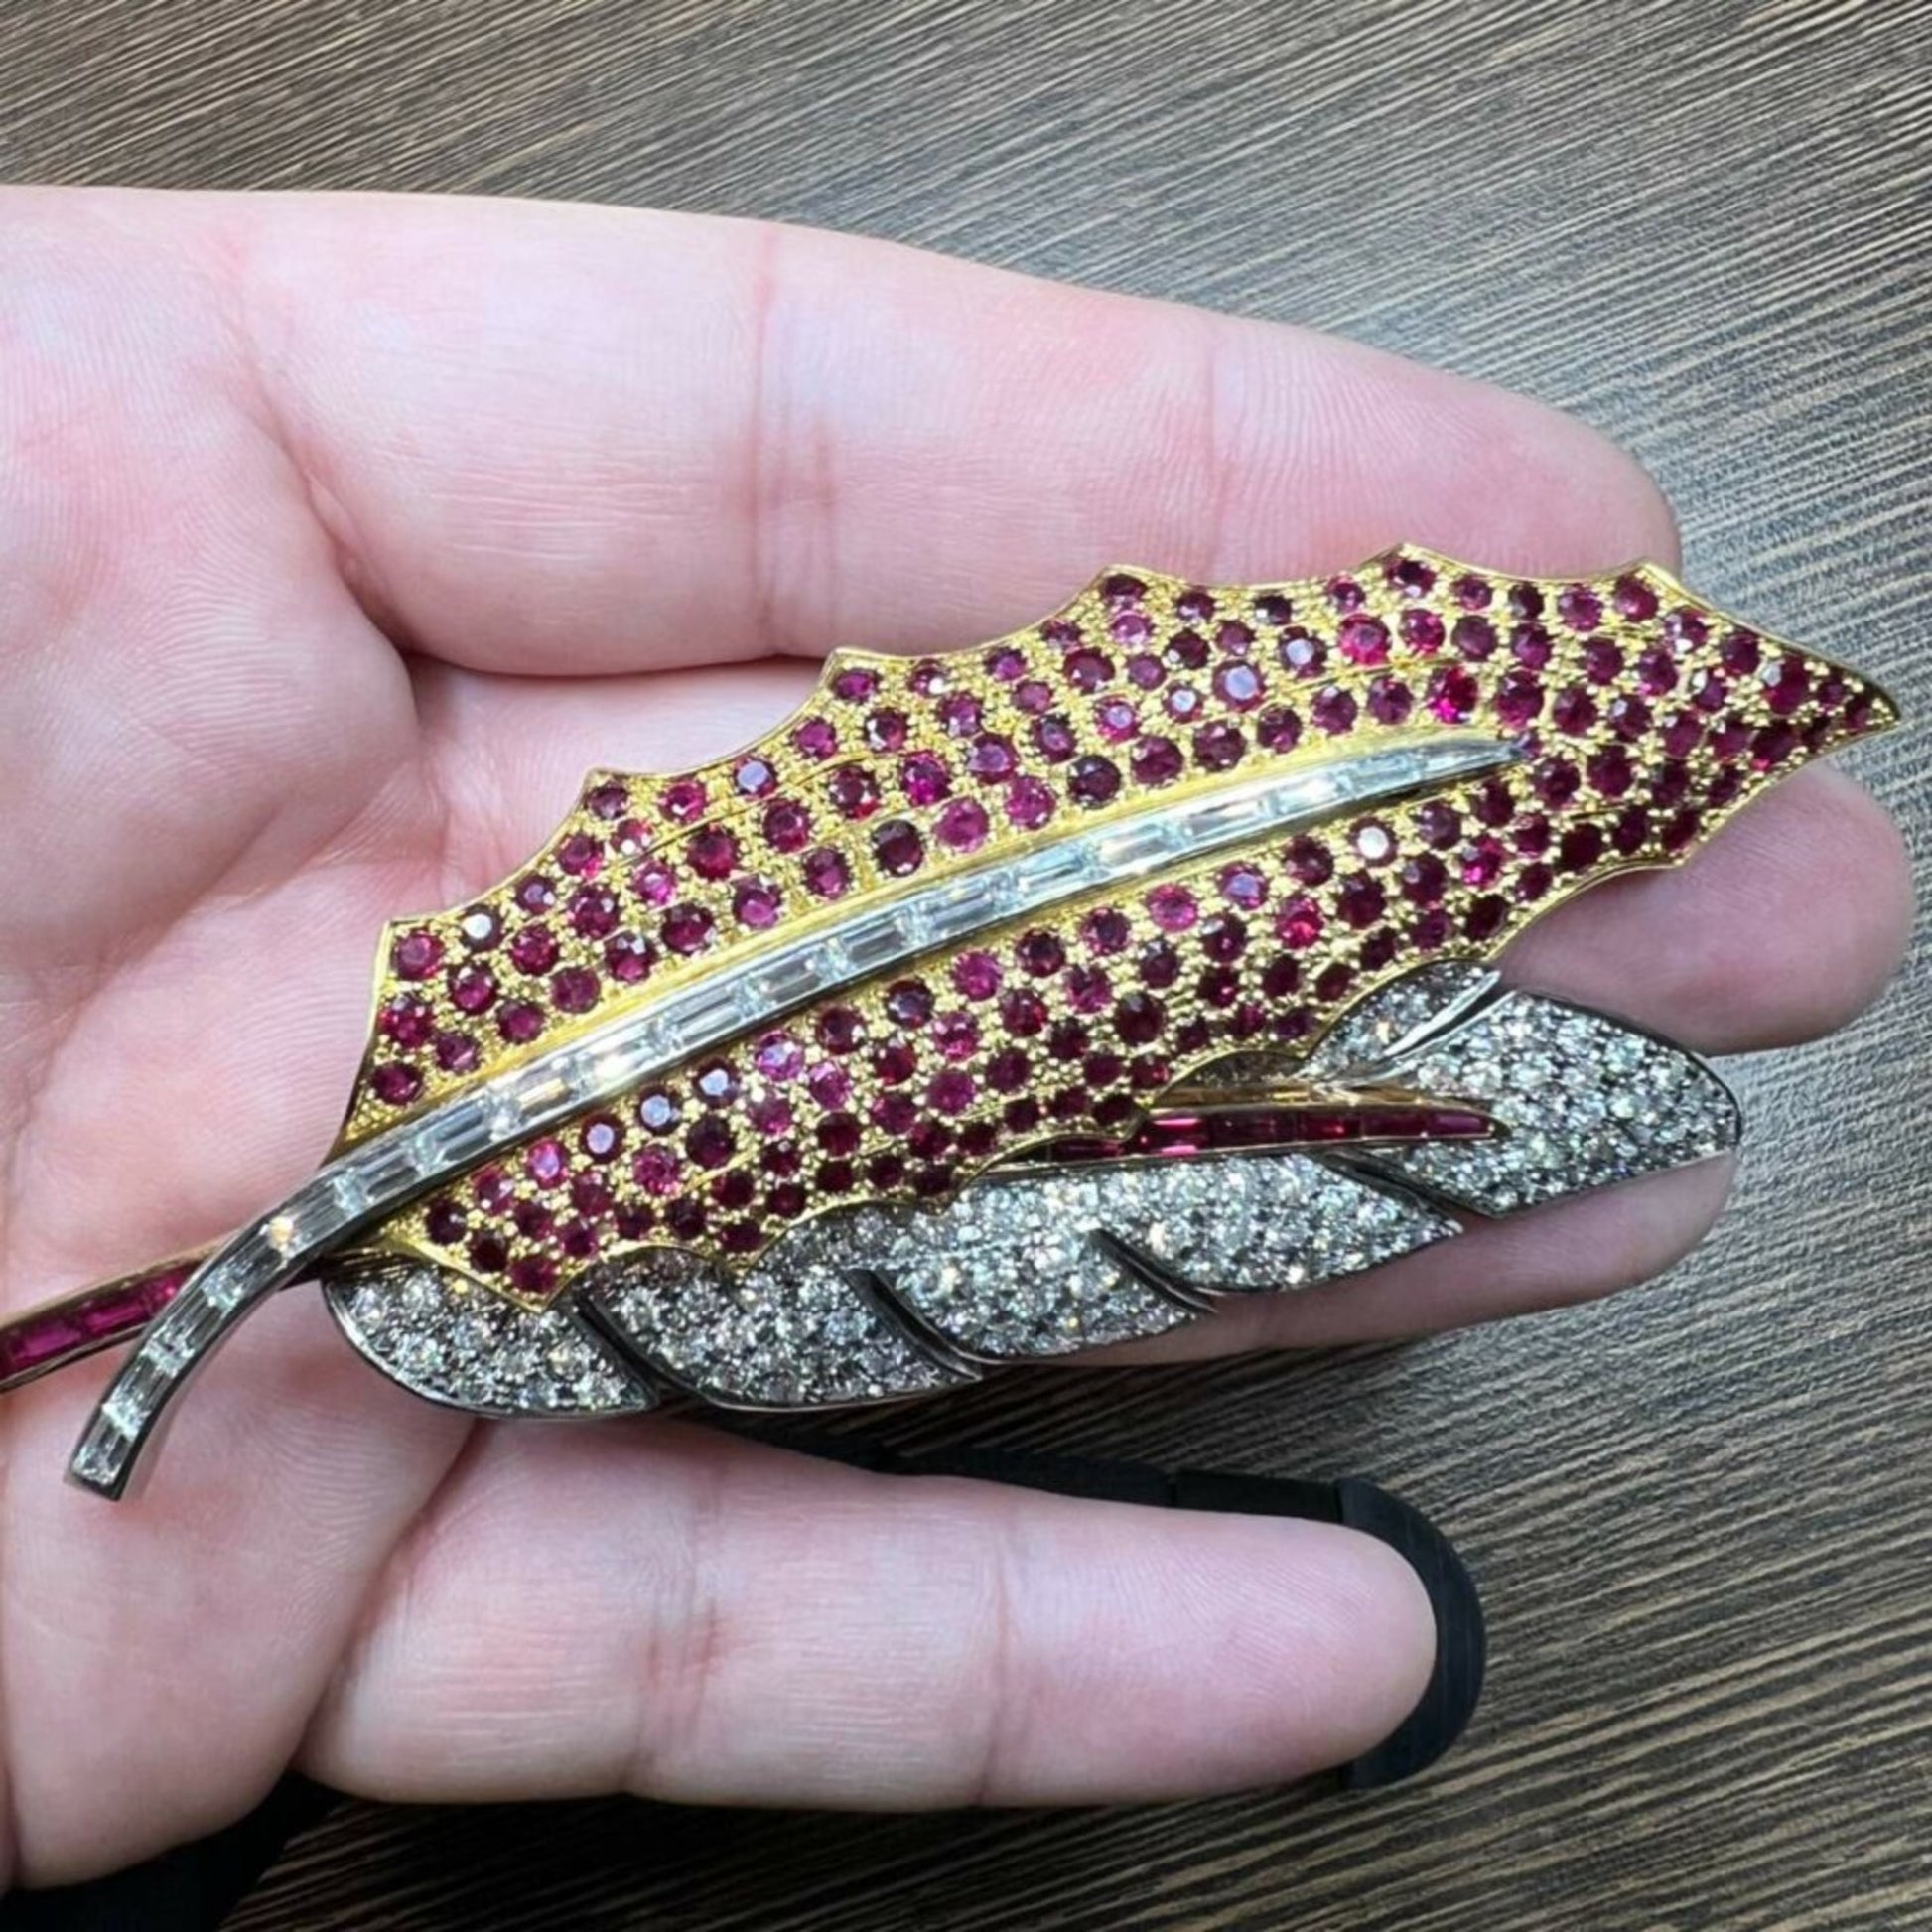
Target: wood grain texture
x: 1702, y: 1513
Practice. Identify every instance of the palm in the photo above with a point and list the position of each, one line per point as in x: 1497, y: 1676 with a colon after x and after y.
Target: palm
x: 301, y: 630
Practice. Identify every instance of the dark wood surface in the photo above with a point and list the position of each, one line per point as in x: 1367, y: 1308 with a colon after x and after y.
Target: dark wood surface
x: 1700, y: 1513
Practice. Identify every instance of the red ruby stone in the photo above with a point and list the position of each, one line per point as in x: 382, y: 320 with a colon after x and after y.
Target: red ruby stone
x: 825, y: 873
x: 1363, y: 639
x: 416, y: 955
x: 1030, y: 803
x: 1156, y: 762
x: 687, y: 929
x: 896, y: 848
x: 1218, y: 747
x: 395, y: 1084
x: 712, y: 853
x: 1452, y: 695
x: 815, y: 738
x: 1580, y: 606
x: 1634, y: 599
x: 1093, y: 782
x: 1333, y: 710
x: 755, y: 903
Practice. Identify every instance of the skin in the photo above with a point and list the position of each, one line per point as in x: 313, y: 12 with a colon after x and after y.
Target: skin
x: 337, y: 537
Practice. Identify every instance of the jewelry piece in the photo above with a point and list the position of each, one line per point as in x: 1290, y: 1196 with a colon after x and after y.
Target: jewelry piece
x: 1012, y: 1002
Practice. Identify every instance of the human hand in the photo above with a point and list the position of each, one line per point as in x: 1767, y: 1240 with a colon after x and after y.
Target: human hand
x: 337, y: 538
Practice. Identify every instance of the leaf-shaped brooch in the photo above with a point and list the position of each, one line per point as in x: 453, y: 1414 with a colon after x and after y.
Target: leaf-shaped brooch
x: 1016, y: 1001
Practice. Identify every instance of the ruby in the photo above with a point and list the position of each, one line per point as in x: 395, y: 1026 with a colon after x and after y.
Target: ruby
x: 519, y: 1022
x: 991, y: 758
x: 1332, y: 982
x: 829, y: 1085
x: 628, y: 958
x: 1173, y: 907
x: 1485, y: 916
x: 1724, y: 788
x: 580, y: 856
x: 472, y: 989
x: 1182, y: 702
x: 593, y: 912
x: 977, y: 974
x: 895, y: 1114
x: 657, y: 1112
x: 1772, y: 745
x: 1452, y: 695
x: 1602, y: 661
x: 1634, y: 599
x: 1008, y: 1070
x: 1423, y: 879
x: 1518, y: 699
x: 1219, y: 748
x: 1683, y: 734
x: 1030, y: 803
x: 1040, y: 953
x: 600, y: 1137
x: 1580, y: 606
x: 962, y: 826
x: 1273, y: 609
x: 1093, y: 782
x: 1310, y: 862
x: 825, y: 873
x: 1129, y: 628
x: 534, y: 894
x: 534, y: 1220
x: 1556, y: 781
x: 445, y: 1222
x: 1222, y: 939
x: 1437, y: 824
x: 1409, y: 575
x: 815, y: 738
x: 1193, y: 606
x: 1421, y: 631
x: 1158, y: 964
x: 956, y: 1036
x: 755, y: 903
x: 685, y: 1217
x: 1471, y: 592
x: 683, y: 801
x: 1241, y: 885
x: 1277, y: 729
x: 1234, y: 639
x: 1156, y: 762
x: 886, y: 729
x: 1280, y: 977
x: 1054, y: 737
x: 1681, y: 831
x: 1579, y: 848
x: 1739, y: 653
x: 1730, y: 736
x: 1185, y: 652
x: 1492, y: 803
x: 488, y: 1254
x: 395, y: 1085
x: 533, y: 949
x: 895, y: 1063
x: 1631, y: 832
x: 580, y: 1240
x: 408, y: 1019
x: 1190, y: 1036
x: 716, y: 1083
x: 1475, y: 638
x: 456, y: 1052
x: 1138, y: 1019
x: 709, y: 1140
x: 1059, y: 630
x: 1574, y: 711
x: 416, y: 955
x: 687, y: 929
x: 1344, y: 593
x: 1831, y: 692
x: 1032, y: 696
x: 588, y: 1193
x: 1145, y: 672
x: 654, y: 882
x: 480, y: 928
x: 1485, y: 861
x: 1686, y: 628
x: 1656, y: 672
x: 1629, y: 717
x: 1363, y: 640
x: 1533, y: 883
x: 1390, y: 701
x: 896, y: 848
x: 1528, y: 644
x: 1089, y: 670
x: 770, y: 1114
x: 1360, y: 900
x: 787, y: 825
x: 908, y: 1003
x: 1219, y: 986
x: 635, y: 1220
x: 629, y: 839
x: 952, y: 1091
x: 930, y: 677
x: 1709, y: 692
x: 839, y: 1134
x: 712, y: 853
x: 1300, y: 922
x: 656, y: 1170
x: 1671, y: 784
x: 1334, y: 708
x: 1239, y: 685
x: 1374, y: 842
x: 1106, y: 931
x: 854, y: 792
x: 1611, y: 772
x: 1306, y: 656
x: 1117, y: 719
x: 545, y: 1162
x: 610, y: 800
x: 1532, y: 836
x: 1525, y: 601
x: 1787, y: 684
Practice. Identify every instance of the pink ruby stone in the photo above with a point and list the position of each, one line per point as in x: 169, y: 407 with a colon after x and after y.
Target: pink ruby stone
x: 656, y: 1170
x: 992, y: 759
x: 1580, y: 606
x: 962, y: 826
x: 1117, y: 719
x: 580, y: 856
x: 977, y: 974
x: 787, y: 825
x: 1602, y: 661
x: 1739, y: 652
x: 1030, y: 803
x: 1360, y: 900
x: 1492, y: 803
x: 1473, y: 593
x: 1728, y: 736
x: 545, y: 1162
x: 1772, y: 745
x: 1611, y: 772
x: 416, y: 955
x: 607, y: 800
x: 408, y: 1020
x: 1344, y: 593
x: 825, y: 873
x: 1129, y: 628
x: 1032, y: 696
x: 854, y: 792
x: 956, y: 1036
x: 952, y: 1091
x: 1629, y: 717
x: 594, y: 912
x: 533, y: 949
x: 1634, y: 599
x: 687, y: 929
x: 886, y: 729
x: 755, y: 904
x: 519, y: 1022
x: 908, y: 1003
x: 683, y: 800
x: 1300, y: 922
x: 709, y: 1141
x: 815, y: 738
x: 1475, y: 638
x: 628, y: 957
x: 1519, y: 698
x: 925, y: 780
x: 1186, y: 652
x: 1786, y: 684
x: 1156, y: 762
x: 1409, y: 575
x: 395, y: 1084
x: 1484, y: 860
x: 1234, y: 639
x: 1525, y: 601
x: 1437, y: 824
x: 712, y: 853
x: 896, y: 848
x: 1574, y: 711
x: 855, y: 686
x: 1173, y: 907
x: 1530, y: 645
x: 480, y: 928
x: 1301, y: 654
x: 1390, y: 701
x: 1421, y: 631
x: 1218, y: 747
x: 1333, y: 710
x: 1631, y: 832
x: 1193, y: 606
x: 1273, y: 609
x: 456, y: 1052
x: 1363, y: 639
x: 1053, y: 736
x: 1656, y: 672
x: 1485, y: 916
x: 1239, y: 685
x: 1579, y: 848
x: 1423, y: 879
x: 1093, y: 782
x: 1556, y: 781
x: 829, y: 1085
x: 1452, y: 695
x: 472, y: 989
x: 1683, y: 734
x: 754, y: 777
x: 1089, y: 670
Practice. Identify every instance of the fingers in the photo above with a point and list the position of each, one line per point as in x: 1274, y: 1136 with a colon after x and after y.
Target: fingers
x: 574, y: 439
x: 722, y: 1623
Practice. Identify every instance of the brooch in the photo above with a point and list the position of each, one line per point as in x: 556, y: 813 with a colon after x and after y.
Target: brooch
x: 1013, y: 1002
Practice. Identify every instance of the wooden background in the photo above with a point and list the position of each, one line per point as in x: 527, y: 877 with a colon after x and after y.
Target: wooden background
x: 1700, y: 1513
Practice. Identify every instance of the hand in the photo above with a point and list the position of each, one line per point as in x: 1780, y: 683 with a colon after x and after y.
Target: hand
x: 337, y: 538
